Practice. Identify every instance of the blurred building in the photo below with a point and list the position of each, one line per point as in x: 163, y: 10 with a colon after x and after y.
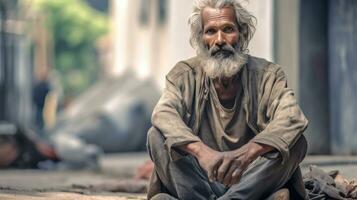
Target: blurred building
x: 15, y: 66
x: 314, y: 41
x: 25, y: 60
x: 151, y: 36
x: 326, y: 76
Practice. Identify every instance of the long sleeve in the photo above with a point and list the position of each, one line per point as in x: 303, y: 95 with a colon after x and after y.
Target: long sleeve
x: 278, y: 108
x: 171, y: 111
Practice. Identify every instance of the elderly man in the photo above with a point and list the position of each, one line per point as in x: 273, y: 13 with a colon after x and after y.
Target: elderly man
x: 227, y: 126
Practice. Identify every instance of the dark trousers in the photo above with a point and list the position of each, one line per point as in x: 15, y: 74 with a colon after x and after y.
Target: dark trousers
x: 185, y: 179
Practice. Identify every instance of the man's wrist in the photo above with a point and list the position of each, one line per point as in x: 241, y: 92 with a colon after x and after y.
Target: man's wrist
x: 195, y: 148
x: 256, y: 149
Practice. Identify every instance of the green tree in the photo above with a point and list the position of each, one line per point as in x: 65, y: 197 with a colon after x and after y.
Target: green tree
x: 75, y: 27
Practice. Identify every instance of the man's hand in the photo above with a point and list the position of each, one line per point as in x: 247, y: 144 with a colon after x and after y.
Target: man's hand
x: 226, y: 167
x: 235, y: 162
x: 208, y: 158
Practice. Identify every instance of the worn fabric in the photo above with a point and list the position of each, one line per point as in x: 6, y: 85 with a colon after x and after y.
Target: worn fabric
x: 223, y: 128
x: 185, y: 179
x: 269, y: 109
x: 270, y: 106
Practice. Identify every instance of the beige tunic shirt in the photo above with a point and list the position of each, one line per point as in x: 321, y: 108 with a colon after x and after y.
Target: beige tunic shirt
x: 272, y: 112
x: 223, y: 128
x: 271, y: 109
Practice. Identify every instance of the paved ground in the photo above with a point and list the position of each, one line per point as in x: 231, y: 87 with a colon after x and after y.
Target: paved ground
x: 58, y: 185
x: 347, y: 165
x: 50, y: 185
x: 11, y: 195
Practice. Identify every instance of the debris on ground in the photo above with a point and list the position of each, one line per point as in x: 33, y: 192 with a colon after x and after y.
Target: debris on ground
x: 323, y: 185
x: 128, y: 186
x: 144, y: 171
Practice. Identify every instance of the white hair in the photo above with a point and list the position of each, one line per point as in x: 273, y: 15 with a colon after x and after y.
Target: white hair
x: 228, y: 67
x: 245, y: 21
x: 222, y: 66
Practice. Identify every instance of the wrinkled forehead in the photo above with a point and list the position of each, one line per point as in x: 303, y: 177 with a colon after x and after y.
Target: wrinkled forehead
x: 214, y: 15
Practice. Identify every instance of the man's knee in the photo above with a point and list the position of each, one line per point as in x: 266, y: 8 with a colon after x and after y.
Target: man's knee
x: 155, y: 141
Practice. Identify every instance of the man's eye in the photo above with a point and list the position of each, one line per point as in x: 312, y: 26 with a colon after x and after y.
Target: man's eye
x: 210, y: 31
x: 228, y: 29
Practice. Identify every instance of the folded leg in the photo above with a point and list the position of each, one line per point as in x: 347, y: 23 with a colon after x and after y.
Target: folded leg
x: 266, y: 175
x: 184, y: 178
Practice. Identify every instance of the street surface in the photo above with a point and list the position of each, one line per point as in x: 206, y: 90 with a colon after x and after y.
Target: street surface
x: 63, y: 185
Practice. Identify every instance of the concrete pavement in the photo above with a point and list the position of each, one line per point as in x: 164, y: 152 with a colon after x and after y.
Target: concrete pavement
x: 41, y: 185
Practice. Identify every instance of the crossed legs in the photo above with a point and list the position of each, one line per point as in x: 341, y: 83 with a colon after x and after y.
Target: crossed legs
x: 184, y: 178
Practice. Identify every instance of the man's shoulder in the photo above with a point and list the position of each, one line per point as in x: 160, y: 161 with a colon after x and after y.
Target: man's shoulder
x: 261, y: 65
x: 188, y: 66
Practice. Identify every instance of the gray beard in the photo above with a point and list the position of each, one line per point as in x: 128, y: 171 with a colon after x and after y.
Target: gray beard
x: 222, y: 67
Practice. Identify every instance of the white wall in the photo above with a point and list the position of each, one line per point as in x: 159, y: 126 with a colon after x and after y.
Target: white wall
x: 151, y: 51
x: 262, y: 43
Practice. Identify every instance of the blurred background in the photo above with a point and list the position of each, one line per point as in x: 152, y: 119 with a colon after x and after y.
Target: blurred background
x: 79, y: 78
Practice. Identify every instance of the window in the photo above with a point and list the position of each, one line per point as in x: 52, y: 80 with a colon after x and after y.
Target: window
x: 144, y: 12
x: 162, y: 11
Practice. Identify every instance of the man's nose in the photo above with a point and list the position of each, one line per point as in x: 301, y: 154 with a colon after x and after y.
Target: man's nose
x: 220, y: 39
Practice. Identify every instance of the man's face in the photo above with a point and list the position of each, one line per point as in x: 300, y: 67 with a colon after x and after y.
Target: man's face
x: 220, y: 31
x: 219, y: 50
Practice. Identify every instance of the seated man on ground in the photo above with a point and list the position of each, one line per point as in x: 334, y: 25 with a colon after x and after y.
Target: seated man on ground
x: 226, y: 126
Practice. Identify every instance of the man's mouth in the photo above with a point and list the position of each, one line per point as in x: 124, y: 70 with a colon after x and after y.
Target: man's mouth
x: 222, y: 53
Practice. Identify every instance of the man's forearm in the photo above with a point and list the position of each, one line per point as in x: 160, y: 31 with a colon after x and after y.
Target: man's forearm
x: 198, y: 148
x: 195, y: 148
x: 257, y: 149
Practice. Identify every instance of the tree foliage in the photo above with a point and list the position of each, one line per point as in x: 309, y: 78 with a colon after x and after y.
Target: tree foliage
x: 75, y: 27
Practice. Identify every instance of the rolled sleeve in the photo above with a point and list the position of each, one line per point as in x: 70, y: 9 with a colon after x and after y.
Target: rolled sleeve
x: 169, y: 112
x: 285, y: 121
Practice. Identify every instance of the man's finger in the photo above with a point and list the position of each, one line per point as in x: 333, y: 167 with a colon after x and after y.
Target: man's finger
x: 215, y: 169
x: 236, y: 175
x: 210, y: 173
x: 221, y: 172
x: 228, y: 177
x: 212, y: 169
